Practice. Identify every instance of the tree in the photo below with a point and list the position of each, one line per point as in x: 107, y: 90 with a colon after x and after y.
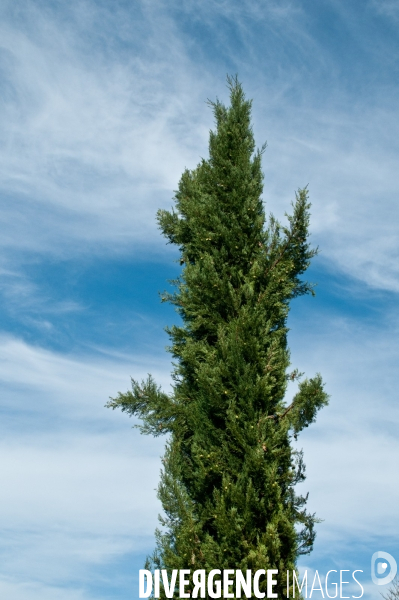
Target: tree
x: 393, y: 590
x: 229, y: 471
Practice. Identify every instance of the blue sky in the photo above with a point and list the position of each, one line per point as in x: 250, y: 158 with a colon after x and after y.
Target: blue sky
x: 103, y: 104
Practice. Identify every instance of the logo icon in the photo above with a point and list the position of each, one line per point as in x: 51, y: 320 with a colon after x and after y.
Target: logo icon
x: 383, y: 563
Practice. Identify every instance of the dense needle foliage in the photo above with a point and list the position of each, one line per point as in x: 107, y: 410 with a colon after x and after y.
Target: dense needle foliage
x: 227, y: 486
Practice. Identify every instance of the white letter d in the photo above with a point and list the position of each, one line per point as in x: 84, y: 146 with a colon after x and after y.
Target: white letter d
x: 144, y: 573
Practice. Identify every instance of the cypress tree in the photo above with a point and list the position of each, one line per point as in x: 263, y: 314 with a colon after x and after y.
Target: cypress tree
x: 229, y: 470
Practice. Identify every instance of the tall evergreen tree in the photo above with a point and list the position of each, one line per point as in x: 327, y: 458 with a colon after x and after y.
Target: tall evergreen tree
x: 229, y: 471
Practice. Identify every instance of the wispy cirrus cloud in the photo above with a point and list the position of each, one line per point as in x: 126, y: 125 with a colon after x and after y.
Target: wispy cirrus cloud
x: 88, y: 138
x: 103, y: 110
x: 64, y: 454
x: 78, y: 486
x: 388, y: 8
x: 352, y: 451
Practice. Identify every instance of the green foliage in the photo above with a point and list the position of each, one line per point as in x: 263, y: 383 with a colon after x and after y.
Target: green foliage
x: 227, y: 486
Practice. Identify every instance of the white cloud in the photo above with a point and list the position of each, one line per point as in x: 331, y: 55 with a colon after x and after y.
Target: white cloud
x: 92, y: 145
x: 57, y: 383
x: 78, y: 484
x: 352, y: 451
x: 104, y: 109
x: 73, y: 505
x: 388, y: 8
x: 59, y: 479
x: 96, y: 136
x: 352, y: 183
x: 64, y: 454
x: 16, y: 590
